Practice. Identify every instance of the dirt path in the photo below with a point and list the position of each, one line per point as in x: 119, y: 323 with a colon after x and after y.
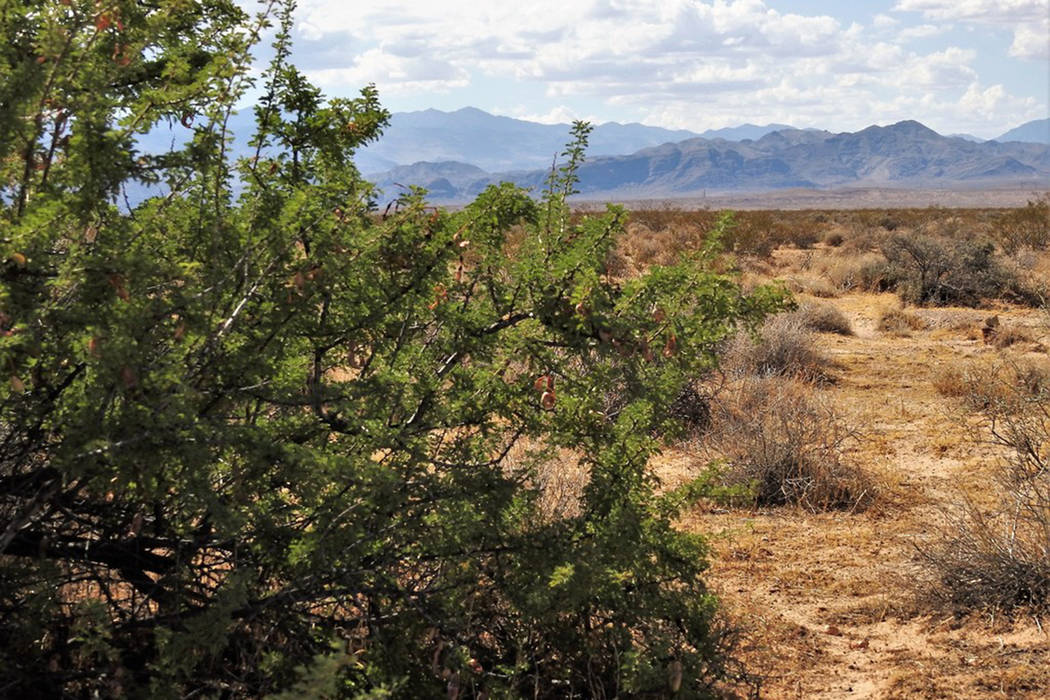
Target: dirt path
x: 829, y: 600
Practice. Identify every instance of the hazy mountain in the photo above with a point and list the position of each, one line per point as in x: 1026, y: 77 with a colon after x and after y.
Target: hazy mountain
x: 491, y: 142
x: 743, y: 132
x: 904, y: 154
x: 1037, y: 131
x: 967, y: 137
x: 443, y: 180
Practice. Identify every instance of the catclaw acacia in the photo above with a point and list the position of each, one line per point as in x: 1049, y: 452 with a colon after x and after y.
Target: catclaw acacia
x: 261, y: 436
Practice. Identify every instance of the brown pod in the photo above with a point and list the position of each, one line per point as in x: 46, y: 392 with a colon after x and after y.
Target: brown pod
x: 670, y: 346
x: 544, y: 382
x: 548, y: 400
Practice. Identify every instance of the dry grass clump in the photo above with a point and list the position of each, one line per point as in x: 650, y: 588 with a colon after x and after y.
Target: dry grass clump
x: 849, y: 271
x: 782, y: 347
x: 951, y: 381
x: 559, y: 476
x: 999, y: 557
x: 784, y: 442
x: 822, y: 318
x: 1001, y: 383
x: 1005, y: 336
x: 998, y: 560
x: 834, y: 239
x: 900, y: 322
x: 813, y: 286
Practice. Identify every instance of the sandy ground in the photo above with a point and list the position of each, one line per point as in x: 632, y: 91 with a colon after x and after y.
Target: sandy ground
x: 830, y: 602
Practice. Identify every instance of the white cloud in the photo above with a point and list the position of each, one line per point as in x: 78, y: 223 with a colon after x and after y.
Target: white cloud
x: 1028, y: 19
x: 923, y: 31
x: 397, y: 73
x: 882, y: 21
x: 686, y: 63
x: 1032, y: 41
x: 561, y: 114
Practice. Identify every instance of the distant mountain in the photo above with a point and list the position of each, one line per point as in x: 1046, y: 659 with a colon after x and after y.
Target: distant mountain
x: 743, y: 132
x: 492, y: 142
x: 904, y: 154
x: 1037, y: 131
x: 444, y: 180
x: 966, y: 137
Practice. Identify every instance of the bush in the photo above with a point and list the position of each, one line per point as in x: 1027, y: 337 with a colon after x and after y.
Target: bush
x: 783, y: 346
x: 786, y: 444
x: 900, y: 322
x: 926, y: 270
x: 255, y: 434
x: 1025, y: 227
x: 1005, y: 336
x: 999, y: 557
x: 822, y: 318
x: 997, y: 383
x: 834, y: 239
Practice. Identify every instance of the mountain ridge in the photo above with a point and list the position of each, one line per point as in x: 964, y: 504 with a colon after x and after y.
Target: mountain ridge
x: 1036, y: 131
x: 907, y: 153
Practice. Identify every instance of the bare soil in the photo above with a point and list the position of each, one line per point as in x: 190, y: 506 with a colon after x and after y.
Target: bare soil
x: 832, y: 604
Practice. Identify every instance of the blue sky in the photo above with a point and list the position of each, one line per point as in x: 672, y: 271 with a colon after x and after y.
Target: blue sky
x: 959, y: 66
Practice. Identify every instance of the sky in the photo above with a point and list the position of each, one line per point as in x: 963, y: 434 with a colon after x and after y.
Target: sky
x: 959, y: 66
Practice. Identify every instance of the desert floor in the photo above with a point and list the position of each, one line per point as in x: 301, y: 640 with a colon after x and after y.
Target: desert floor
x: 832, y: 604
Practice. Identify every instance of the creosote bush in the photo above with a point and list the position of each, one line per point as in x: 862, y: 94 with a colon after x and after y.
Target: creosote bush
x: 930, y: 270
x: 256, y: 431
x: 785, y: 443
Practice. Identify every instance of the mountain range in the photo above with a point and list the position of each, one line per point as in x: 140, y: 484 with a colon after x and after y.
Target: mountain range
x: 496, y: 143
x: 1037, y: 131
x: 455, y: 155
x: 906, y: 154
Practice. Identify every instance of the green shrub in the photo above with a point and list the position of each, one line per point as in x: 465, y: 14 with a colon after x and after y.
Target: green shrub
x: 254, y: 433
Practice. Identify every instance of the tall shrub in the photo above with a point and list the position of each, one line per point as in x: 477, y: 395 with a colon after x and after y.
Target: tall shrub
x: 254, y: 431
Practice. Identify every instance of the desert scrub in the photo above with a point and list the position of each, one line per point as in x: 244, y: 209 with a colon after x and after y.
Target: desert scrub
x: 851, y: 270
x: 784, y: 442
x: 822, y: 318
x: 997, y: 556
x: 783, y: 346
x: 1002, y: 383
x: 1025, y: 227
x: 900, y: 322
x: 1006, y: 336
x: 933, y: 271
x: 833, y: 239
